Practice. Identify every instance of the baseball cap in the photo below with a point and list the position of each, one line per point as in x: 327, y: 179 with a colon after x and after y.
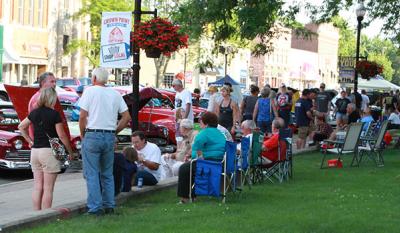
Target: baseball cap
x: 283, y: 85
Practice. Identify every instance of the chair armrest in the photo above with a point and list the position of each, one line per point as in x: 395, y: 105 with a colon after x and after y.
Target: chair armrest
x: 334, y: 142
x: 367, y: 138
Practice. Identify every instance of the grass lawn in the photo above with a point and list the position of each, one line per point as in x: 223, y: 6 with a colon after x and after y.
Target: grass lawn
x: 365, y: 199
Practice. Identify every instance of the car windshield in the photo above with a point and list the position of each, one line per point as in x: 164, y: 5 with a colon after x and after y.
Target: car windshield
x: 85, y: 81
x: 66, y: 82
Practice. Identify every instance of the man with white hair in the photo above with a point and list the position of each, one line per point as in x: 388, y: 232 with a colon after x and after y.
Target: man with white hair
x: 183, y: 99
x: 100, y: 106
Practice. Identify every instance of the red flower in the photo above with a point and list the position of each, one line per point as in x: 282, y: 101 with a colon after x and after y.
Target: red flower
x: 368, y: 69
x: 161, y: 34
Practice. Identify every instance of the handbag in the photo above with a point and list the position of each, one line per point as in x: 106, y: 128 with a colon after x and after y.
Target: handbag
x: 57, y: 147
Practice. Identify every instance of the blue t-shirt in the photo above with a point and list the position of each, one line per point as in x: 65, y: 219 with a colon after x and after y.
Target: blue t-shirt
x: 301, y: 109
x: 264, y: 109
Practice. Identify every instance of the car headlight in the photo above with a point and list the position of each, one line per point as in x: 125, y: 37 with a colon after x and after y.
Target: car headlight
x: 78, y: 145
x: 18, y: 144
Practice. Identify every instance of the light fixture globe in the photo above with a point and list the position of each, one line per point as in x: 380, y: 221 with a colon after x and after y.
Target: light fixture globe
x: 361, y: 10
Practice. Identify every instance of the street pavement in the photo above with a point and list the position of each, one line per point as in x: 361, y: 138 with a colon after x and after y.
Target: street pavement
x: 69, y: 199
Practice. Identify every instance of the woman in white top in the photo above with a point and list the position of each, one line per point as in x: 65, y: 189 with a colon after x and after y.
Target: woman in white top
x: 394, y: 119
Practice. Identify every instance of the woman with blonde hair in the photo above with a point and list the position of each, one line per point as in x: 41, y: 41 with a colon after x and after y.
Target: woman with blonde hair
x: 228, y: 110
x: 47, y: 123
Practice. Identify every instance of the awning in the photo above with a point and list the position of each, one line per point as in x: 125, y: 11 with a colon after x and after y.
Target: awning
x: 9, y: 57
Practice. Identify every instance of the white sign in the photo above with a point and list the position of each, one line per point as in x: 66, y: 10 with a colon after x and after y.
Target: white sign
x: 115, y: 39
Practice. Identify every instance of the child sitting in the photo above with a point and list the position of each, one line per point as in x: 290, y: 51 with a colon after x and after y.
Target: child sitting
x: 124, y: 169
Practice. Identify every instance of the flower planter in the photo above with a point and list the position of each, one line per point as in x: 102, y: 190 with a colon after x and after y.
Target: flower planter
x: 153, y: 53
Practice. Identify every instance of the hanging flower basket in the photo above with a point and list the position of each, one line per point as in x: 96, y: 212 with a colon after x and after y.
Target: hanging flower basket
x: 153, y: 53
x: 368, y: 69
x: 159, y: 34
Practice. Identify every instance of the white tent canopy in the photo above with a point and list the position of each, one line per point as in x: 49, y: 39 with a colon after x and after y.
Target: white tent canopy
x: 377, y: 83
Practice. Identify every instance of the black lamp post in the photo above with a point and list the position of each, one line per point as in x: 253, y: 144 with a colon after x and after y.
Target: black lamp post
x: 360, y: 12
x: 136, y: 65
x: 226, y: 50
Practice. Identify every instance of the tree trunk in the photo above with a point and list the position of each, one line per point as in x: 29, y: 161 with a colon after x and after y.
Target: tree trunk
x: 161, y: 65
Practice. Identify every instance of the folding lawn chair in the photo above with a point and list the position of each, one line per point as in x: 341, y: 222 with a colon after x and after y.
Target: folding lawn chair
x: 276, y: 169
x: 348, y: 146
x: 255, y: 171
x: 286, y: 135
x: 243, y: 168
x: 374, y: 146
x: 207, y: 178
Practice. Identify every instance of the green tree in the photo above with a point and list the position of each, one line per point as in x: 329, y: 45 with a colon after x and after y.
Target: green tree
x: 386, y: 10
x: 238, y: 22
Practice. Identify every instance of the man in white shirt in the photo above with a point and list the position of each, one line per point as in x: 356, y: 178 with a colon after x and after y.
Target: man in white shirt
x: 394, y: 119
x: 100, y: 106
x: 183, y: 99
x: 364, y: 101
x: 149, y: 155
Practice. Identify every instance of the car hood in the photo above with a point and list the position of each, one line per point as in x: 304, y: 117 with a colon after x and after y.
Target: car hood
x: 145, y: 95
x: 20, y: 97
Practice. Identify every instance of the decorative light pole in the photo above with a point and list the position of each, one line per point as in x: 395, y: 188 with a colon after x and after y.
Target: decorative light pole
x: 360, y: 12
x: 136, y: 65
x: 226, y: 50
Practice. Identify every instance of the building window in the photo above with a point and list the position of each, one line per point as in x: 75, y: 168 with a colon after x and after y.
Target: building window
x: 30, y: 19
x: 21, y: 11
x: 64, y: 71
x: 40, y: 13
x: 66, y: 8
x: 168, y: 78
x: 65, y: 42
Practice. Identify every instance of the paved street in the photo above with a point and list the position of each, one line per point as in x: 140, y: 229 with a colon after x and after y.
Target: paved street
x: 7, y: 176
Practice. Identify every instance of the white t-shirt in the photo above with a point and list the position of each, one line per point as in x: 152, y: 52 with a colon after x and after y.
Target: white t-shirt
x: 182, y: 99
x: 394, y: 118
x: 364, y: 102
x: 225, y: 132
x: 103, y: 105
x: 152, y: 153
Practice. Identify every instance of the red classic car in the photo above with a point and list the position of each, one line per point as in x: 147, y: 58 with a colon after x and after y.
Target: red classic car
x: 197, y: 110
x: 156, y: 118
x: 14, y: 150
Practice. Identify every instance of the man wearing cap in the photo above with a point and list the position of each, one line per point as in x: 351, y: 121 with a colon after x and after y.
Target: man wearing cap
x: 284, y: 102
x: 100, y: 106
x: 323, y: 100
x: 303, y: 116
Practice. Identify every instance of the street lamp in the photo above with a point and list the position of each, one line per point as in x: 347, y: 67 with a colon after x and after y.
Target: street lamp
x: 360, y: 12
x: 136, y: 64
x: 226, y: 50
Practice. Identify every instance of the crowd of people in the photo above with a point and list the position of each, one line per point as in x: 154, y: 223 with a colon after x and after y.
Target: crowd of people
x: 107, y: 172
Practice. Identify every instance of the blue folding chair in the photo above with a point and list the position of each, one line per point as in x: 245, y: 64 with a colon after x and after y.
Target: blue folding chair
x: 207, y: 179
x: 243, y: 163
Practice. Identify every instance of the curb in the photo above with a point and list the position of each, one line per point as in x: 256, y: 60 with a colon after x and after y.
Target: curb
x: 76, y: 208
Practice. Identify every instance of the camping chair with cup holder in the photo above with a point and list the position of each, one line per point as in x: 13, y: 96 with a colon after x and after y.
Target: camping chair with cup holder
x: 243, y: 167
x: 374, y: 146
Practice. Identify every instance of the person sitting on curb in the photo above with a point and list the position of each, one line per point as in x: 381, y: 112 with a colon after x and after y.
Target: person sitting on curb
x: 270, y: 145
x: 149, y: 158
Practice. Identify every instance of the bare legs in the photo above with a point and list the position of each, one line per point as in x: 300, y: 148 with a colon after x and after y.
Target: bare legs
x: 42, y: 195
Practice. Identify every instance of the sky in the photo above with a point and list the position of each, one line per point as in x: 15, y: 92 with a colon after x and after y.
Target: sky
x: 349, y: 15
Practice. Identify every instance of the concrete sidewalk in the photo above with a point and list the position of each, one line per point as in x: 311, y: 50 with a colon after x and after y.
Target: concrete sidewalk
x: 69, y: 199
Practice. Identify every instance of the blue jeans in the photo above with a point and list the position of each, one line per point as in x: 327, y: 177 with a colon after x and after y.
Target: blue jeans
x: 98, y: 161
x: 265, y: 126
x: 148, y: 178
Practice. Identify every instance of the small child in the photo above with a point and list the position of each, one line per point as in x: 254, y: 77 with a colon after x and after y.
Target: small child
x: 130, y: 169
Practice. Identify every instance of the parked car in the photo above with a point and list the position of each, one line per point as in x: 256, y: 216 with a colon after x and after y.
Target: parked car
x: 8, y: 116
x: 14, y: 150
x: 197, y: 109
x: 67, y: 81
